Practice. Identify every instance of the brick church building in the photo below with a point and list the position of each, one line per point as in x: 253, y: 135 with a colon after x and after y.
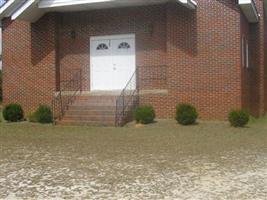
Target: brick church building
x: 94, y: 55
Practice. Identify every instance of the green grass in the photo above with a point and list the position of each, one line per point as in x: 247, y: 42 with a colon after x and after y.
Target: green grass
x: 204, y: 137
x: 155, y: 154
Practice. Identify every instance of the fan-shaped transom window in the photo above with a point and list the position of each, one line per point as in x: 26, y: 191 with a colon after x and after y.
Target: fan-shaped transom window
x: 102, y: 46
x: 124, y: 45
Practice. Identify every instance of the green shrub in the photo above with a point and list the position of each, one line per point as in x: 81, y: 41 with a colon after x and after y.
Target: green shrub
x: 186, y: 114
x: 1, y: 86
x: 145, y: 114
x: 43, y: 114
x: 13, y: 113
x: 238, y: 118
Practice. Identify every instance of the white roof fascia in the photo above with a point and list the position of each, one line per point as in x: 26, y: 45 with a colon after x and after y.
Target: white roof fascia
x: 9, y: 7
x: 191, y: 4
x: 52, y: 3
x: 29, y: 11
x: 23, y: 8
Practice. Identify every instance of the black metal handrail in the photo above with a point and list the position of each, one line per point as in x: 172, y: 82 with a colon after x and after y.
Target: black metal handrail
x: 67, y: 93
x: 127, y: 101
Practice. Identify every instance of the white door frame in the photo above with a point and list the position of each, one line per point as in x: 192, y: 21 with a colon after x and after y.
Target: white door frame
x: 108, y: 37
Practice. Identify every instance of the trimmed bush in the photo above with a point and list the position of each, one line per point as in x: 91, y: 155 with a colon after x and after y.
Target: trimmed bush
x: 238, y: 118
x: 13, y: 113
x: 186, y: 114
x: 43, y: 115
x: 145, y: 114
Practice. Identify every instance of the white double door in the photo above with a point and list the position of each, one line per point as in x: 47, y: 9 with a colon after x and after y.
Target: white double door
x: 112, y: 62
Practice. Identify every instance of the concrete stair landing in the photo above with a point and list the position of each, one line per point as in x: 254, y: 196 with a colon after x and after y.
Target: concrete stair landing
x: 91, y: 110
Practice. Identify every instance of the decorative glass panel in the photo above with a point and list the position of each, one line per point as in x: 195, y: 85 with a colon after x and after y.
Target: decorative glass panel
x: 102, y: 46
x: 124, y: 45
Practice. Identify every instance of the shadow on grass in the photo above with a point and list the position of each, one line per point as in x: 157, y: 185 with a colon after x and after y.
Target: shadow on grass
x: 1, y: 114
x: 188, y: 125
x: 261, y: 120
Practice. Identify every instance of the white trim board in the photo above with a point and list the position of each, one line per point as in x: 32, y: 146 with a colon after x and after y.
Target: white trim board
x: 22, y: 9
x: 112, y: 37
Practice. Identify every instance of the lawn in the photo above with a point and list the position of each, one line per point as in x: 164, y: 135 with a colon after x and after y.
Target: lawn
x: 210, y: 160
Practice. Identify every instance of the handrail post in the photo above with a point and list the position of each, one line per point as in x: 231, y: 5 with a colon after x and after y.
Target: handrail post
x: 123, y: 105
x: 138, y: 85
x: 80, y: 80
x: 137, y: 80
x: 116, y: 114
x: 61, y: 104
x: 53, y: 110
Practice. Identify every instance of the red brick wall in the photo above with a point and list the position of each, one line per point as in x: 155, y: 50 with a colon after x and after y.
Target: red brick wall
x: 253, y: 79
x: 194, y: 55
x: 203, y: 49
x: 29, y: 62
x: 265, y: 65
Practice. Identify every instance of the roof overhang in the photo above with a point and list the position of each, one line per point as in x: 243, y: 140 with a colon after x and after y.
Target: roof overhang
x: 191, y: 4
x: 70, y: 5
x: 48, y: 4
x: 249, y: 9
x: 9, y: 7
x: 28, y: 11
x: 32, y: 10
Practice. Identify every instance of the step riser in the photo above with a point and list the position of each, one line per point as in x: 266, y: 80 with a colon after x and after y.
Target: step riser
x: 95, y: 110
x: 94, y: 104
x: 96, y: 100
x: 90, y: 118
x: 85, y: 123
x: 90, y: 113
x: 97, y: 97
x: 92, y: 108
x: 99, y: 100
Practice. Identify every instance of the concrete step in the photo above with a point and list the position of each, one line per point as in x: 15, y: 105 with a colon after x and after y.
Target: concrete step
x: 108, y: 118
x: 77, y: 103
x: 91, y: 108
x: 65, y: 122
x: 96, y: 99
x: 92, y: 111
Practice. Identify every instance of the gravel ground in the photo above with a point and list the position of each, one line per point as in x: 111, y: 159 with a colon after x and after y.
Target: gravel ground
x: 161, y: 161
